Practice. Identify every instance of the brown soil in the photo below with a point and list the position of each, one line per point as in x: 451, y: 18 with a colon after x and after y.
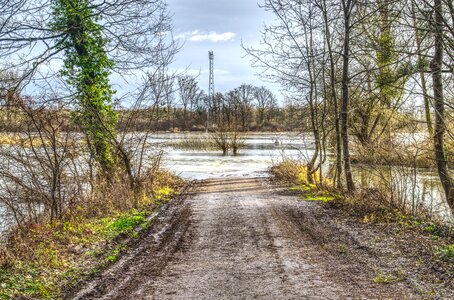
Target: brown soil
x: 243, y: 239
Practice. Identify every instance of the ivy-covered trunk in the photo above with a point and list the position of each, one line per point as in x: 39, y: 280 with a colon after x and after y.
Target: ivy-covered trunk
x: 87, y: 69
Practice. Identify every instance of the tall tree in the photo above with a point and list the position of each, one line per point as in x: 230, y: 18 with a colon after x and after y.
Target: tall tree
x: 421, y: 66
x: 328, y: 44
x: 87, y: 68
x: 245, y: 96
x: 189, y: 91
x: 348, y: 7
x: 266, y: 101
x: 436, y: 66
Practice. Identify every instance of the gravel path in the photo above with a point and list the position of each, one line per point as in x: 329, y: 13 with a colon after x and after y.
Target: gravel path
x: 236, y: 239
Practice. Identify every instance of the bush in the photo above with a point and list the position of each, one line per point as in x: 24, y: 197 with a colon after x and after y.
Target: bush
x: 38, y: 259
x: 289, y: 172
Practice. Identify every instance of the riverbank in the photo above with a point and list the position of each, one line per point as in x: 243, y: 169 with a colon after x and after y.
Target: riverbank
x: 401, y: 247
x: 40, y: 260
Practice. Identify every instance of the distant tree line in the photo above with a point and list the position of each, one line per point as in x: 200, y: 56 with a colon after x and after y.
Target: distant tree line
x: 184, y: 106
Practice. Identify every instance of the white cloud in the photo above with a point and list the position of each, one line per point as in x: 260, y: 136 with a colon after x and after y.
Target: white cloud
x: 213, y: 36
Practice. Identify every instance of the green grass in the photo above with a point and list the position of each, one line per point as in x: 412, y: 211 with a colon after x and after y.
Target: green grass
x: 51, y: 264
x: 310, y: 192
x: 322, y: 198
x: 388, y: 278
x: 115, y: 254
x: 446, y: 252
x: 111, y: 227
x: 28, y: 283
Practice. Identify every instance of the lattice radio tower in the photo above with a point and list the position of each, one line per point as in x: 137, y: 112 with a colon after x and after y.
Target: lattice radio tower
x: 211, y: 86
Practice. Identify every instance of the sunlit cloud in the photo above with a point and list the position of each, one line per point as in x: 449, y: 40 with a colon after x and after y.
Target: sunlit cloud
x: 213, y: 36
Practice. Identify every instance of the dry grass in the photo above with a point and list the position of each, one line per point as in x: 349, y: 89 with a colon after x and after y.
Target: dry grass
x: 288, y: 172
x: 204, y: 143
x: 368, y: 204
x: 416, y: 154
x: 37, y: 260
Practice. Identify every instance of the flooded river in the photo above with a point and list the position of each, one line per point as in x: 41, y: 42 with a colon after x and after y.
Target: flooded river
x: 253, y: 160
x: 415, y: 188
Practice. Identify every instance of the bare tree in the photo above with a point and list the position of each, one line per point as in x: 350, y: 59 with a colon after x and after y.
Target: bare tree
x: 328, y: 44
x: 245, y: 96
x: 189, y: 93
x: 348, y: 7
x: 266, y: 102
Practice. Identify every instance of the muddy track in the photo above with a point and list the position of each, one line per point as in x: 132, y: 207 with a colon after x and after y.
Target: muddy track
x: 239, y: 239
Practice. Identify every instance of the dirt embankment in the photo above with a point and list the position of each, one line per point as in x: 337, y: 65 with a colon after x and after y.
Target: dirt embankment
x: 243, y: 239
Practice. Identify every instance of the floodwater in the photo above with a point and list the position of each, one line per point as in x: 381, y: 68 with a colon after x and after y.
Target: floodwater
x: 253, y: 160
x: 418, y: 189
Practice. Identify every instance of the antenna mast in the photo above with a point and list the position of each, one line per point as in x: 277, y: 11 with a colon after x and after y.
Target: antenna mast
x: 211, y: 86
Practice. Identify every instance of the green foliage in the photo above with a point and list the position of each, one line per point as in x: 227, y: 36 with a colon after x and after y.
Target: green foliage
x: 112, y: 227
x: 388, y: 278
x: 28, y: 283
x: 87, y: 69
x: 113, y: 256
x: 432, y: 228
x: 388, y: 78
x: 446, y: 253
x: 163, y: 193
x: 127, y: 223
x: 322, y: 198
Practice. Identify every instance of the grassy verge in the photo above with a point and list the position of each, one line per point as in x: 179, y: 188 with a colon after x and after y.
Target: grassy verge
x: 293, y: 174
x: 37, y: 261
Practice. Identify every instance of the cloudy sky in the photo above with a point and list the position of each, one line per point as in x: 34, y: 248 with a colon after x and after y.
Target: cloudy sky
x: 221, y: 26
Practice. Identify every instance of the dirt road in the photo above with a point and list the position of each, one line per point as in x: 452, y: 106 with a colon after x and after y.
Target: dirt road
x: 237, y: 239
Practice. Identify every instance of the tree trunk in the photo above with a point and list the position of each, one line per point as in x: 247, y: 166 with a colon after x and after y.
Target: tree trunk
x: 421, y: 71
x: 334, y: 99
x: 440, y: 126
x: 347, y: 7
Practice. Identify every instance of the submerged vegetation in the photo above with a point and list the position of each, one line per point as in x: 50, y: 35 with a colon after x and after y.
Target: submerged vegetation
x: 219, y: 140
x: 202, y: 142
